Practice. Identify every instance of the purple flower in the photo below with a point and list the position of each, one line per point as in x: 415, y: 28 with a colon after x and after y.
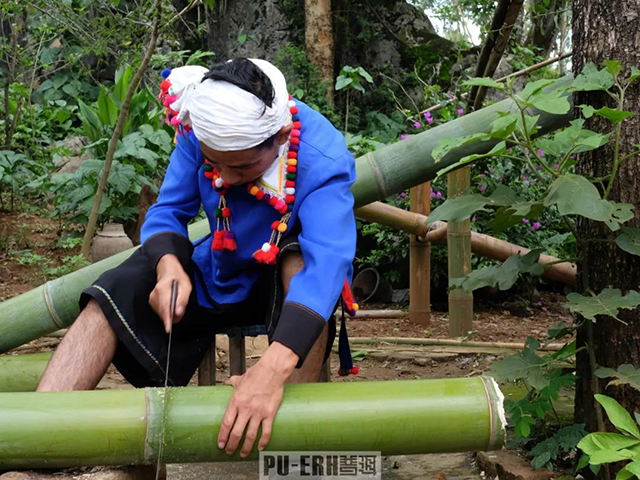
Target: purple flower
x: 460, y: 112
x: 483, y: 188
x: 482, y: 175
x: 417, y: 124
x: 438, y: 194
x: 491, y: 169
x: 527, y: 183
x: 539, y: 167
x: 540, y: 152
x: 509, y: 149
x: 433, y: 194
x: 525, y: 220
x: 430, y: 120
x: 526, y: 151
x: 428, y: 117
x: 474, y: 218
x: 396, y: 239
x: 556, y: 166
x: 535, y: 225
x: 403, y: 137
x: 451, y: 95
x: 523, y: 177
x: 402, y: 195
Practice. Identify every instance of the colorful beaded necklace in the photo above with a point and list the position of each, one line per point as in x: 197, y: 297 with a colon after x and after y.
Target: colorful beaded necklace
x: 223, y: 237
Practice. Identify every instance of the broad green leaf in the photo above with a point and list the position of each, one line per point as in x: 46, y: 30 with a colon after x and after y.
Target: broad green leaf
x: 364, y: 74
x: 587, y: 110
x: 523, y: 365
x: 532, y: 88
x: 618, y: 415
x: 634, y: 468
x: 504, y: 276
x: 554, y: 102
x: 107, y: 110
x: 121, y: 176
x: 575, y: 195
x: 625, y: 375
x: 500, y: 148
x: 358, y: 86
x: 558, y: 330
x: 483, y: 82
x: 606, y: 441
x: 513, y: 214
x: 343, y: 82
x: 613, y: 66
x: 629, y: 240
x: 622, y: 212
x: 448, y: 144
x: 461, y: 208
x: 612, y: 114
x: 610, y: 456
x: 635, y: 74
x: 608, y: 302
x: 504, y: 126
x: 529, y: 124
x: 592, y: 79
x: 625, y: 473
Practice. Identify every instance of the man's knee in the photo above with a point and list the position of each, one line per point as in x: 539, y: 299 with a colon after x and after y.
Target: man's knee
x: 292, y: 263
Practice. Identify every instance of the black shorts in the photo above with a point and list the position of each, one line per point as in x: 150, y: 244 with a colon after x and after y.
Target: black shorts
x: 141, y: 354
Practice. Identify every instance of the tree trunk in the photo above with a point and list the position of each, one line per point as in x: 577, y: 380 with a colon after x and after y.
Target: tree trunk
x: 318, y: 35
x: 605, y: 30
x: 544, y: 27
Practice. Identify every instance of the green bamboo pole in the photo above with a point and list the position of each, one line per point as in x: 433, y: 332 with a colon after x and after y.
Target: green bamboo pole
x: 379, y: 174
x: 122, y: 427
x: 459, y: 259
x: 22, y: 373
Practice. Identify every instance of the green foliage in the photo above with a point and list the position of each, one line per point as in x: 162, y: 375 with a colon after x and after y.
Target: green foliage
x: 16, y: 170
x: 351, y: 78
x: 564, y: 441
x: 607, y: 303
x: 625, y: 375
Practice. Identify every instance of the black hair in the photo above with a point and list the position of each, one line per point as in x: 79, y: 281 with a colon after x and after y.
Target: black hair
x: 245, y: 74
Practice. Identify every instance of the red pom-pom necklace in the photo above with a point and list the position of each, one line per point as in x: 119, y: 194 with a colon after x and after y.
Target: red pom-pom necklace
x: 223, y: 237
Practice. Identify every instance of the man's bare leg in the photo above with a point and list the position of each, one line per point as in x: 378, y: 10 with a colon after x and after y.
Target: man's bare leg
x: 84, y: 354
x: 310, y: 369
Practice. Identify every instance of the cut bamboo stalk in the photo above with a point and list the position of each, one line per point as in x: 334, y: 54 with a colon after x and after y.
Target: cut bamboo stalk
x: 381, y: 173
x: 481, y: 244
x: 420, y: 262
x: 446, y: 341
x: 364, y: 314
x: 122, y: 427
x: 459, y: 259
x: 22, y: 373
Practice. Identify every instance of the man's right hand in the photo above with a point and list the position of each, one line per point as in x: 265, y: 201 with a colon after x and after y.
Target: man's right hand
x: 168, y: 270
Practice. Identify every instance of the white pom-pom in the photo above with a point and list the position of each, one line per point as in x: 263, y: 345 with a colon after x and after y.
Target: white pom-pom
x: 266, y: 247
x: 292, y: 103
x: 289, y: 191
x: 219, y: 182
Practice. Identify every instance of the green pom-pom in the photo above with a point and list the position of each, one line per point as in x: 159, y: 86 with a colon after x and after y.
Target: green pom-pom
x: 208, y: 168
x: 218, y: 213
x: 291, y: 176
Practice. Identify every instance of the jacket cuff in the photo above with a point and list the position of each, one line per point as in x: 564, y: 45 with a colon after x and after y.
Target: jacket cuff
x: 163, y: 243
x: 298, y: 328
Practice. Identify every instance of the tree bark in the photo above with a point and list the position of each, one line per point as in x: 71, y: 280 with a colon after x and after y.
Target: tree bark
x: 318, y: 35
x: 604, y: 30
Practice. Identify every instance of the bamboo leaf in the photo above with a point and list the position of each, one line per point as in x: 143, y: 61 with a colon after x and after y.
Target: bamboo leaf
x: 609, y: 302
x: 575, y: 195
x: 629, y: 240
x: 625, y: 375
x: 483, y: 82
x: 618, y: 416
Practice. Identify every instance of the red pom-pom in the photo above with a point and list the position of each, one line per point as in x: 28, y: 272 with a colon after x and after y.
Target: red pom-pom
x: 290, y: 184
x: 222, y: 191
x: 293, y: 110
x: 226, y: 213
x: 290, y: 97
x: 289, y: 199
x: 354, y: 371
x: 229, y: 244
x: 293, y: 154
x: 295, y: 140
x: 165, y: 85
x: 259, y: 255
x: 249, y: 186
x: 283, y: 209
x: 260, y: 195
x: 297, y: 125
x: 275, y: 225
x: 218, y: 240
x: 273, y: 201
x: 292, y: 169
x: 208, y: 175
x: 294, y: 133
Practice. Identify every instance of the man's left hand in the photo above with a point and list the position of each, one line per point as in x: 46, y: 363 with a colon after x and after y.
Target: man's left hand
x: 255, y: 401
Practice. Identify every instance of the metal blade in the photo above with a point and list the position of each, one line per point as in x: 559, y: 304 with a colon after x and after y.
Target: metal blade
x: 172, y: 307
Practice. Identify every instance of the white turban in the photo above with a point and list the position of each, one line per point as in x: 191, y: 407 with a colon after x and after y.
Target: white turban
x: 226, y: 117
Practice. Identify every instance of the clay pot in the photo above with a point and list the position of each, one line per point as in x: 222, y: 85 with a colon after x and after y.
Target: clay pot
x: 109, y: 241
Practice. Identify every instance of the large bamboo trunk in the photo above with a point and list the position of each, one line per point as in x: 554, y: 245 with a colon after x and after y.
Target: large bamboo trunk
x: 122, y: 427
x: 379, y: 174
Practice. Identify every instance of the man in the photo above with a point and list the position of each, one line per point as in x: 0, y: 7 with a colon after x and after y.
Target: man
x: 273, y: 177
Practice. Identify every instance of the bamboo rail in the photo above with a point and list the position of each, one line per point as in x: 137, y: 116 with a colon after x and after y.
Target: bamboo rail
x: 481, y: 244
x: 121, y: 427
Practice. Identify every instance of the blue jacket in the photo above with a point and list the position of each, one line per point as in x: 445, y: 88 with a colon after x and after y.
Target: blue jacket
x: 323, y: 210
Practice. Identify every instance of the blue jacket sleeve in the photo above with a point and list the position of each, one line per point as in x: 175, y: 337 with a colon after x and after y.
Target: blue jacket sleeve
x: 165, y: 225
x: 328, y: 243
